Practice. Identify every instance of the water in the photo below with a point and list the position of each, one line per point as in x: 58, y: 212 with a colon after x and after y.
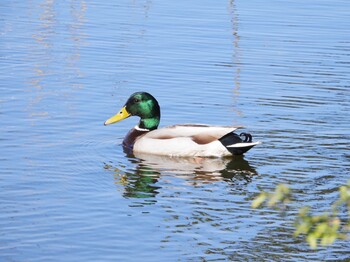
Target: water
x: 68, y: 191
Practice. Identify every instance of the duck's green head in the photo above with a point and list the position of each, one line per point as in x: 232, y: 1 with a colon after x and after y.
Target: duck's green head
x: 140, y: 104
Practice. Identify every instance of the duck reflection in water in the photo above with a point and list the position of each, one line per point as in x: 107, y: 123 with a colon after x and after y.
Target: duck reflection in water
x: 143, y: 182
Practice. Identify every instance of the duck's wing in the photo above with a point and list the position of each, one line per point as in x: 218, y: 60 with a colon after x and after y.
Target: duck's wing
x: 195, y: 131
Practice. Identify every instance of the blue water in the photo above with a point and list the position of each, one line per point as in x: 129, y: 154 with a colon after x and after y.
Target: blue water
x: 68, y: 191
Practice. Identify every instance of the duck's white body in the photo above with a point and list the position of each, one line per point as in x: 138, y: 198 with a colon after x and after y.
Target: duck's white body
x: 187, y: 141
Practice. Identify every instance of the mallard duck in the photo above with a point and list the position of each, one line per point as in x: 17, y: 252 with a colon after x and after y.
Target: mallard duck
x: 186, y: 140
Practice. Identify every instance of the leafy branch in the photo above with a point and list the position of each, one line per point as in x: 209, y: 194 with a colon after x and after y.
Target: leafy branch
x: 321, y: 229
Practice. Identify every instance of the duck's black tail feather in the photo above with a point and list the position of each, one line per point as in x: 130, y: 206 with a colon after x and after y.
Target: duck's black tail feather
x: 238, y: 144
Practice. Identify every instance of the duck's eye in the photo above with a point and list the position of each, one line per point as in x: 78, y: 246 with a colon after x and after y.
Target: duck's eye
x: 136, y: 100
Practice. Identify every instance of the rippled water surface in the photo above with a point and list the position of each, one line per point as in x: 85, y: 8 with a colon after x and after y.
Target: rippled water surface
x: 68, y: 191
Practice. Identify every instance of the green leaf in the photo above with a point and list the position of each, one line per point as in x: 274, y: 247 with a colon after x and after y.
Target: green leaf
x: 321, y: 229
x: 328, y: 239
x: 259, y: 200
x: 312, y: 240
x: 302, y: 228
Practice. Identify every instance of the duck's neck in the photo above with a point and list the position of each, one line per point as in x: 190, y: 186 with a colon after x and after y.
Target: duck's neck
x: 149, y: 123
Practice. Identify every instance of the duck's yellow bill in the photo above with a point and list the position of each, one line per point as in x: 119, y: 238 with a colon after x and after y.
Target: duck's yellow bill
x: 123, y: 113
